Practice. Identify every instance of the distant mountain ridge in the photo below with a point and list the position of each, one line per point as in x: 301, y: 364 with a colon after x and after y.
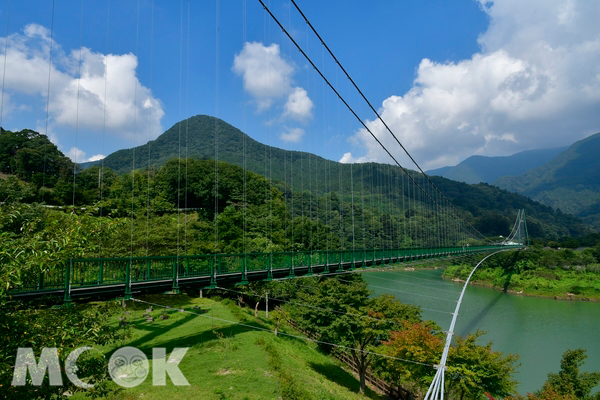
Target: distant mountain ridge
x: 570, y: 181
x: 476, y: 169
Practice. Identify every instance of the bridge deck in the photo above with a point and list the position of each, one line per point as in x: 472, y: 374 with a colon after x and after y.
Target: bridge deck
x: 128, y: 276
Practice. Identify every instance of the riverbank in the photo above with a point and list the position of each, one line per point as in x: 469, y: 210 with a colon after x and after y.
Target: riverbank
x: 556, y: 283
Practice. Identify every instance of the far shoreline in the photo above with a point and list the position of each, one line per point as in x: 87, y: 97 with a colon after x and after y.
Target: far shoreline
x: 566, y: 297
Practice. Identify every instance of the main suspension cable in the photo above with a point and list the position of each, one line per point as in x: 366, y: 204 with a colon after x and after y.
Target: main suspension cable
x: 362, y: 95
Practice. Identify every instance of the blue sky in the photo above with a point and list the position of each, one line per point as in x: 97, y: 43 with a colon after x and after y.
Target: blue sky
x: 452, y: 79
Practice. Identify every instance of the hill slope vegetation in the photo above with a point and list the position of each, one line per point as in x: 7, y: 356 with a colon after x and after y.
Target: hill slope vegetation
x: 570, y: 182
x: 489, y: 208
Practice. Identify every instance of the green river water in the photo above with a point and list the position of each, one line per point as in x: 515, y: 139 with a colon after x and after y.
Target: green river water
x: 537, y: 329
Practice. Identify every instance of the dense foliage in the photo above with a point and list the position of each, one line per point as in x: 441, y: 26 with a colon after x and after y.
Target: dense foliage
x: 38, y: 326
x: 558, y: 273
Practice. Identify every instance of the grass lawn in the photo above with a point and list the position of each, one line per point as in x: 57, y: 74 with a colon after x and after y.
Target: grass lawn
x: 226, y: 360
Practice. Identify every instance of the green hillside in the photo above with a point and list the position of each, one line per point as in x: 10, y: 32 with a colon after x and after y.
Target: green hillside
x: 201, y: 131
x: 308, y: 173
x: 570, y: 182
x: 476, y: 169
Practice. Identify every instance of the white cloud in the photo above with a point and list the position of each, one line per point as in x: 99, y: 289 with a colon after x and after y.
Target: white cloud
x: 292, y: 135
x: 96, y: 157
x: 79, y: 99
x: 78, y: 156
x: 534, y: 84
x: 347, y: 158
x: 268, y: 77
x: 298, y: 105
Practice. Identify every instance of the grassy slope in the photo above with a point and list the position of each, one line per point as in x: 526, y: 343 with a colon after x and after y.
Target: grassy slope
x: 229, y: 361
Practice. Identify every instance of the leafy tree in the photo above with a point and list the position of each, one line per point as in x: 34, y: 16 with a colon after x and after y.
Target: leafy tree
x: 328, y: 298
x: 278, y: 317
x: 93, y: 184
x: 474, y: 370
x: 569, y: 380
x: 596, y: 252
x: 37, y: 239
x: 417, y: 342
x: 14, y: 190
x: 569, y: 383
x: 362, y: 329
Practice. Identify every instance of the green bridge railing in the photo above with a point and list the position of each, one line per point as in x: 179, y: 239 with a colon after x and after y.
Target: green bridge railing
x: 106, y: 272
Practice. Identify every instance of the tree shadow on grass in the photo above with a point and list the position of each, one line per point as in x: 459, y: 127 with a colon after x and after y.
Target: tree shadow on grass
x: 206, y: 334
x: 342, y: 377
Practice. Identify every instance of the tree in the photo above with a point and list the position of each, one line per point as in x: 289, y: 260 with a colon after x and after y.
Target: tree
x: 474, y: 370
x: 416, y: 342
x: 36, y: 239
x: 569, y: 380
x: 14, y: 190
x: 596, y: 252
x: 278, y: 317
x: 33, y: 158
x: 257, y: 292
x: 326, y: 299
x: 362, y: 329
x: 569, y: 383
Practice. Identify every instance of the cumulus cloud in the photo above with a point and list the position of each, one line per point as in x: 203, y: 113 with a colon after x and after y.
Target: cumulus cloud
x: 535, y: 83
x: 268, y: 77
x: 292, y: 135
x: 298, y: 105
x: 78, y: 94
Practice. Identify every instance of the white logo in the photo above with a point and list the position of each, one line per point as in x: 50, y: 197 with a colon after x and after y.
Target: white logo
x: 128, y: 367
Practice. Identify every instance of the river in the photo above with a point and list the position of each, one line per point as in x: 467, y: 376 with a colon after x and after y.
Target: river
x: 537, y: 329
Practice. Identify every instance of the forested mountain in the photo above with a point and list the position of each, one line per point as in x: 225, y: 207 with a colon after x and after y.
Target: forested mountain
x: 476, y: 169
x: 488, y: 208
x: 570, y: 182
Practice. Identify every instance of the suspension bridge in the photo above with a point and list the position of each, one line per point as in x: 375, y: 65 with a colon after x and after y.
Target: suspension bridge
x: 126, y: 276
